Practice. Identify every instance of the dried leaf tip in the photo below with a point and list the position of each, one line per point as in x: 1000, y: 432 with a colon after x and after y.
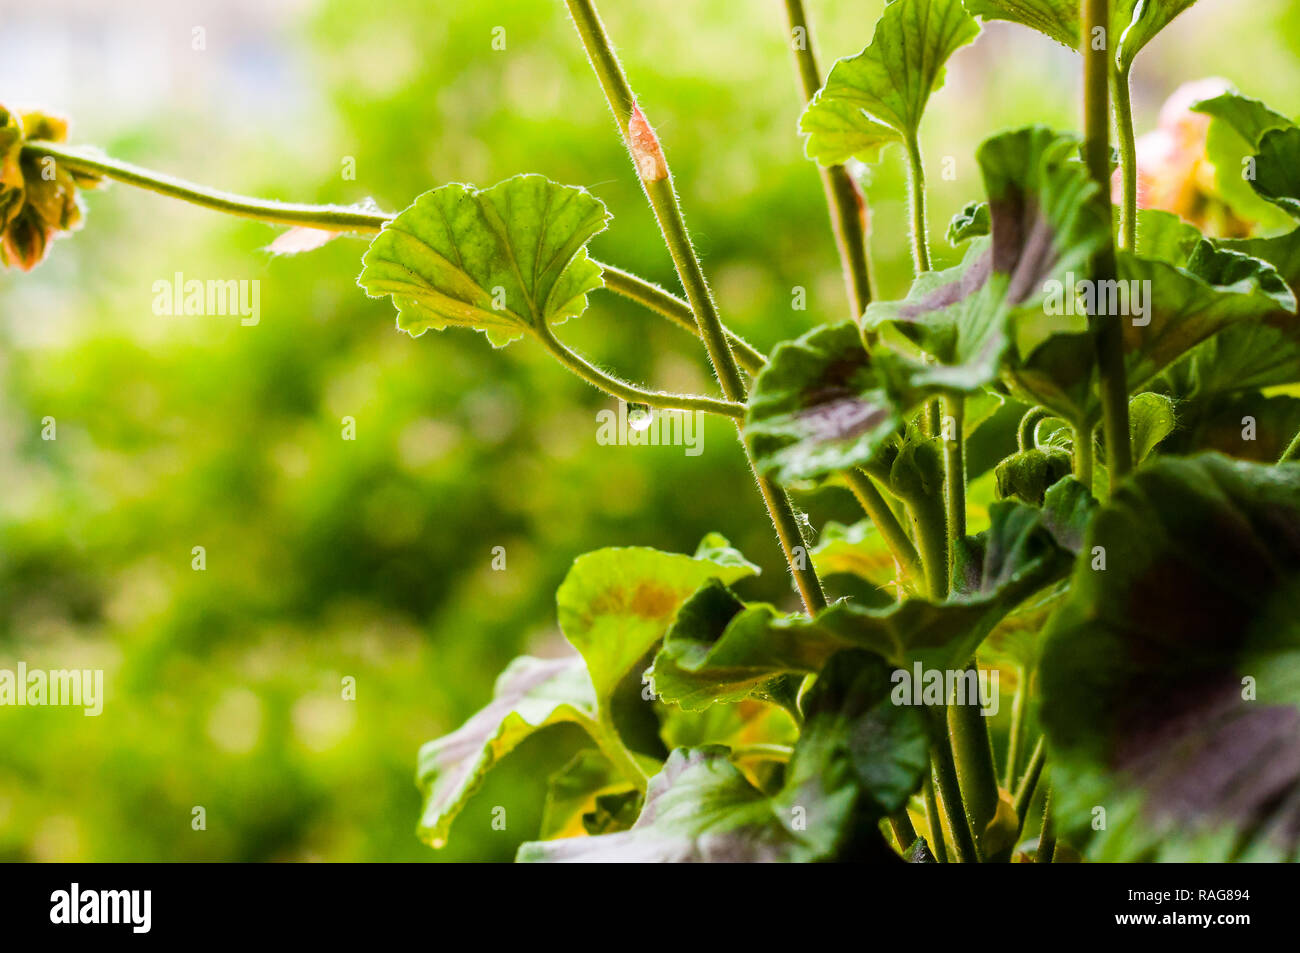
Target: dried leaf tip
x: 644, y: 145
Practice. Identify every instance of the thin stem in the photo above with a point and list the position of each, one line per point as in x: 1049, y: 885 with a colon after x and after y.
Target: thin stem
x: 1127, y: 158
x: 617, y: 387
x: 651, y: 296
x: 933, y: 820
x: 1027, y: 432
x: 1025, y: 791
x: 954, y: 455
x: 882, y: 517
x: 843, y: 197
x: 1016, y: 734
x: 1292, y: 451
x: 904, y: 832
x: 949, y: 789
x: 1110, y: 334
x: 973, y: 758
x: 333, y: 218
x: 656, y: 179
x: 354, y: 221
x: 1083, y: 455
x: 1047, y: 835
x: 916, y: 199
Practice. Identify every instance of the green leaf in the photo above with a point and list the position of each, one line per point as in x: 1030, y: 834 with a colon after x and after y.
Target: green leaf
x: 971, y: 222
x: 857, y: 550
x: 1058, y: 19
x: 819, y: 405
x: 1277, y: 170
x: 572, y: 792
x: 502, y: 260
x: 1249, y: 118
x: 1250, y: 355
x: 1165, y: 236
x: 1137, y: 22
x: 1043, y: 230
x: 1169, y: 688
x: 1248, y: 426
x: 1151, y: 419
x: 616, y: 604
x: 1027, y: 475
x: 530, y: 695
x: 724, y: 650
x: 853, y: 727
x: 859, y: 756
x: 1237, y: 125
x: 1180, y: 309
x: 879, y: 95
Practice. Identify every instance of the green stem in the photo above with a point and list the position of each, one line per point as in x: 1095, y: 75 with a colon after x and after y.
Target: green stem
x: 933, y: 819
x: 973, y: 758
x: 332, y: 218
x: 1083, y: 455
x: 1127, y: 158
x: 1025, y: 790
x: 1016, y: 734
x: 930, y: 525
x: 916, y: 199
x: 949, y: 789
x: 1047, y: 836
x: 1027, y: 432
x: 617, y: 387
x: 882, y: 517
x: 1292, y: 451
x: 657, y: 181
x: 651, y: 296
x: 354, y: 221
x: 954, y: 454
x: 843, y: 198
x: 1110, y: 334
x: 904, y: 832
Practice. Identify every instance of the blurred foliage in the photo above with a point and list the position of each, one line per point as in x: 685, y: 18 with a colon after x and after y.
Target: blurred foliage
x: 329, y: 558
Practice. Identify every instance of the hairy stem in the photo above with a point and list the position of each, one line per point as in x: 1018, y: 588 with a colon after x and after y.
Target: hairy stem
x: 354, y: 221
x: 843, y: 197
x: 886, y: 523
x: 1027, y: 432
x: 949, y: 788
x: 1292, y: 451
x: 1110, y: 335
x: 651, y: 296
x: 1016, y: 734
x: 1083, y: 455
x: 933, y: 820
x: 1127, y: 158
x: 616, y: 387
x: 916, y: 199
x: 656, y: 179
x: 954, y: 455
x: 1028, y: 782
x: 1047, y: 836
x: 973, y: 757
x: 930, y: 525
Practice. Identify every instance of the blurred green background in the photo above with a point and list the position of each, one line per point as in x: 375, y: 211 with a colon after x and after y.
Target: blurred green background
x: 371, y: 558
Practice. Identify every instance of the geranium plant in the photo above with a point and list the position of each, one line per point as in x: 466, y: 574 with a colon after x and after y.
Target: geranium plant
x: 1129, y: 570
